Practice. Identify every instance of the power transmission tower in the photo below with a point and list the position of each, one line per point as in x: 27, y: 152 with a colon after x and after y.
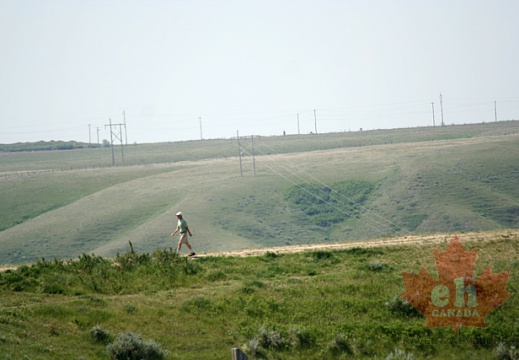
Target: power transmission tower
x: 495, y: 111
x: 118, y: 136
x: 246, y: 148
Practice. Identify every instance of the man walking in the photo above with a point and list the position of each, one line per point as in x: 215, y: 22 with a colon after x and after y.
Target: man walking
x: 184, y: 230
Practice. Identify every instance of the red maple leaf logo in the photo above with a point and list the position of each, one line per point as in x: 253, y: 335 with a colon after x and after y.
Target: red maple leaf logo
x: 457, y: 298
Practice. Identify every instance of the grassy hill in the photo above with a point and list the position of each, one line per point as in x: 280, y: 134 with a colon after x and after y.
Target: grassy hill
x: 311, y: 305
x: 296, y: 190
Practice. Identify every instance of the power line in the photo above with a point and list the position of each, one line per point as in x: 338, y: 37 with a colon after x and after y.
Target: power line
x: 379, y: 220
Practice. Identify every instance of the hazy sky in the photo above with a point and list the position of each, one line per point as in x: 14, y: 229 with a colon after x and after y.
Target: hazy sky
x: 252, y: 66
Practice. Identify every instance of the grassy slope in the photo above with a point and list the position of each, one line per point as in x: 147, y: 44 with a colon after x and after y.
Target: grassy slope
x: 466, y: 183
x: 203, y: 308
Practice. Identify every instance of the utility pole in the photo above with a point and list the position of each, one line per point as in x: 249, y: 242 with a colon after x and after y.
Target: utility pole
x: 98, y: 136
x: 434, y: 123
x: 315, y: 122
x: 125, y: 133
x: 253, y: 156
x: 122, y: 146
x: 89, y: 138
x: 111, y: 142
x: 441, y: 108
x: 495, y: 111
x: 298, y: 132
x: 200, y: 121
x: 239, y: 151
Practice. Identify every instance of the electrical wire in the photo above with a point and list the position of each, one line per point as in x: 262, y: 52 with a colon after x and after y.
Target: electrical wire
x: 381, y: 224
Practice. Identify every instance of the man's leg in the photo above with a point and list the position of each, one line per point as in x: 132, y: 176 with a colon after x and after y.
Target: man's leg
x: 182, y: 240
x: 189, y: 247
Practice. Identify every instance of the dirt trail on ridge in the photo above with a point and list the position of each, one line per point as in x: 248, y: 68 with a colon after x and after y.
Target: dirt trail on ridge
x: 512, y: 234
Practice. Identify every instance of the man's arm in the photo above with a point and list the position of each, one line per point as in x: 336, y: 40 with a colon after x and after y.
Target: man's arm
x: 174, y: 232
x: 188, y: 231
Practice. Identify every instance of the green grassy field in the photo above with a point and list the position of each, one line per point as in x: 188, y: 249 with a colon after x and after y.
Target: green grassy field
x: 60, y: 204
x: 93, y: 251
x: 313, y: 305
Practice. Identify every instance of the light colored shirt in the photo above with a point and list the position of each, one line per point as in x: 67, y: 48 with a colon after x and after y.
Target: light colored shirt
x: 182, y: 225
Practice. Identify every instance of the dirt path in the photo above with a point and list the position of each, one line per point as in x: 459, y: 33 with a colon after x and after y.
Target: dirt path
x: 511, y: 234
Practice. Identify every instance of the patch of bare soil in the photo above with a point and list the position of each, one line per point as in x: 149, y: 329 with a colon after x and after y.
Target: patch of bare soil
x: 512, y: 234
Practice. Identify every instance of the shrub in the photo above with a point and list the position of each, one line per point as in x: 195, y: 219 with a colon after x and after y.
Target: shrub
x: 165, y: 257
x: 131, y: 259
x: 301, y: 337
x: 130, y: 346
x: 364, y: 251
x: 377, y: 265
x: 254, y: 349
x: 398, y: 305
x: 340, y: 345
x: 399, y: 354
x: 270, y: 339
x: 100, y: 335
x: 322, y: 255
x: 270, y: 255
x: 506, y: 353
x: 189, y: 267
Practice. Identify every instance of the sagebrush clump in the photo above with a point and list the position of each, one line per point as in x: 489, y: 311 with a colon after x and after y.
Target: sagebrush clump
x: 130, y: 346
x: 504, y: 352
x: 398, y: 305
x: 100, y: 335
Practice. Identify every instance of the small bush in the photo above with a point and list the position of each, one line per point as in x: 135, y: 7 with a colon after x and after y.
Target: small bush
x: 130, y: 346
x: 364, y: 251
x: 340, y: 345
x: 270, y: 255
x: 189, y: 267
x: 254, y: 348
x: 398, y: 305
x: 131, y: 259
x: 322, y: 255
x: 301, y: 337
x: 199, y: 304
x: 270, y: 339
x: 100, y: 335
x: 399, y: 354
x: 250, y: 285
x: 506, y: 353
x: 165, y: 257
x: 377, y: 265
